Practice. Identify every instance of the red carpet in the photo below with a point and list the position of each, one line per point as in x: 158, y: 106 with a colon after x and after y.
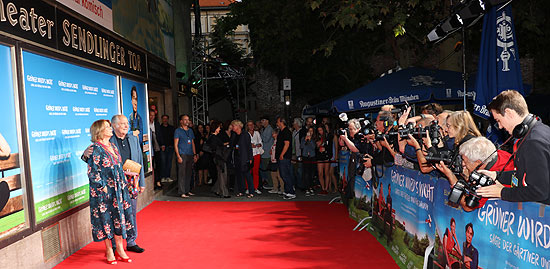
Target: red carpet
x: 244, y: 235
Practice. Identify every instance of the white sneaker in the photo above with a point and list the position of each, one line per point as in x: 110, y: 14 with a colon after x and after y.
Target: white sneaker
x: 169, y: 179
x: 273, y: 191
x: 280, y: 192
x: 246, y: 192
x: 209, y: 181
x: 289, y: 196
x: 163, y: 180
x: 258, y: 192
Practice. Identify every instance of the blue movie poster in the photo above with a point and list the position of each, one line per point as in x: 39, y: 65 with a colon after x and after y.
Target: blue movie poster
x: 63, y: 100
x: 134, y: 107
x: 499, y: 235
x: 12, y: 213
x: 402, y: 214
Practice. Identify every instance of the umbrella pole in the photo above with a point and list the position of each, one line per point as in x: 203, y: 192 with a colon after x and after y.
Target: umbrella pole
x: 464, y: 75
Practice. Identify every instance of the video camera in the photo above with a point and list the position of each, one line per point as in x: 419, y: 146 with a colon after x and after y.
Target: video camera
x: 468, y: 189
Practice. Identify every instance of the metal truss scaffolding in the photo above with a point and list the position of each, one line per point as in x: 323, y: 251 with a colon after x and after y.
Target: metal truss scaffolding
x: 199, y: 85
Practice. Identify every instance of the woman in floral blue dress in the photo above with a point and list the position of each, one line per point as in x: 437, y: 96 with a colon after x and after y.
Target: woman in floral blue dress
x: 111, y: 213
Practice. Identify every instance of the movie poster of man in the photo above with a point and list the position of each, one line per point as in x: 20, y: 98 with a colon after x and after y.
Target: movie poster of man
x: 134, y: 107
x: 12, y: 213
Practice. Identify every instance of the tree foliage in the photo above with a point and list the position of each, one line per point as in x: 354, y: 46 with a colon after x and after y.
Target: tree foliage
x: 289, y: 39
x: 328, y: 47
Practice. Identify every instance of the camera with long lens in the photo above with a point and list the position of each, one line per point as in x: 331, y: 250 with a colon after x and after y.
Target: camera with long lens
x: 448, y: 157
x: 433, y: 130
x: 342, y: 131
x: 468, y: 189
x: 400, y: 111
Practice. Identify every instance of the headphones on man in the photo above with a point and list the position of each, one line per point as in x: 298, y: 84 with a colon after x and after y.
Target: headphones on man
x: 522, y: 129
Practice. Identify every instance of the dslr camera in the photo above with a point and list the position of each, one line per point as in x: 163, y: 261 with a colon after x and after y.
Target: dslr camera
x: 419, y: 132
x: 468, y: 189
x: 448, y: 157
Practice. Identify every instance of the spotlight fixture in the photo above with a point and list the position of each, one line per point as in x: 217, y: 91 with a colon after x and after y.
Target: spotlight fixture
x: 464, y: 14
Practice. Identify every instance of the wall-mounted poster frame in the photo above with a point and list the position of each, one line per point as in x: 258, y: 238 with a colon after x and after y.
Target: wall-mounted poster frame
x: 14, y: 202
x: 62, y: 101
x: 136, y: 109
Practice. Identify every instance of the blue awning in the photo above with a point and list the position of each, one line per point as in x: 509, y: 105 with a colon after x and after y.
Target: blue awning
x: 412, y: 85
x: 323, y: 108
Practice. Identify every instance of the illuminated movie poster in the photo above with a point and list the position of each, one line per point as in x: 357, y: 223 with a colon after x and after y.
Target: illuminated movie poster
x: 62, y: 100
x: 134, y: 107
x: 499, y: 235
x: 12, y: 198
x: 403, y: 202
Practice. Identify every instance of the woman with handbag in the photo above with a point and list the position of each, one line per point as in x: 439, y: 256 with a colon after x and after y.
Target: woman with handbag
x: 110, y: 209
x: 220, y: 152
x: 323, y: 153
x: 257, y: 152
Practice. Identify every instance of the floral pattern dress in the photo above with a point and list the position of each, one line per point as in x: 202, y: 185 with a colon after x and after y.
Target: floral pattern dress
x: 111, y: 212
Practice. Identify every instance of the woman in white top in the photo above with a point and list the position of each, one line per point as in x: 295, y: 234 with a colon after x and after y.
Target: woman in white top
x: 257, y: 152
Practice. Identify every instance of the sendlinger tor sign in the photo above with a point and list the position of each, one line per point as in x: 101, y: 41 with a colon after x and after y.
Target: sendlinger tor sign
x: 39, y: 22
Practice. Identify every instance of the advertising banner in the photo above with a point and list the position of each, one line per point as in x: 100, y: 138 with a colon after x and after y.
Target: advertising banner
x: 98, y: 11
x: 12, y: 199
x: 498, y: 68
x: 499, y: 235
x: 135, y: 108
x: 402, y: 214
x: 361, y: 205
x: 62, y: 100
x: 343, y: 162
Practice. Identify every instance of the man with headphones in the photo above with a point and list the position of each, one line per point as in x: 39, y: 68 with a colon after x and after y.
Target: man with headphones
x: 530, y: 180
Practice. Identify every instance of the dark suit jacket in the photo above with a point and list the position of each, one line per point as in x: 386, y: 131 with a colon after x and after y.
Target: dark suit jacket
x: 243, y: 155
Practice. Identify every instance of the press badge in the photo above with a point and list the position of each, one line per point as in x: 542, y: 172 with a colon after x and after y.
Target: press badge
x: 188, y: 141
x: 515, y: 181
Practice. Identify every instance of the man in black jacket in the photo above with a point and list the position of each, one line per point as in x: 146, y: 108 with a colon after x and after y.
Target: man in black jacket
x: 242, y: 160
x: 531, y: 179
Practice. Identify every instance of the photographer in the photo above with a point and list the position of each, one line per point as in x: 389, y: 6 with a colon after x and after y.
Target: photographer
x: 477, y: 153
x: 531, y: 179
x: 429, y: 111
x: 352, y: 141
x: 384, y: 152
x: 460, y: 126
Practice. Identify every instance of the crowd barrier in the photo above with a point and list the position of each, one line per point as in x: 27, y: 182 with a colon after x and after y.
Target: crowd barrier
x: 409, y: 214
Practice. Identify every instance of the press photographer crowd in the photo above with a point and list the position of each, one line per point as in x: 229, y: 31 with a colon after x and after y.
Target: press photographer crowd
x: 449, y: 144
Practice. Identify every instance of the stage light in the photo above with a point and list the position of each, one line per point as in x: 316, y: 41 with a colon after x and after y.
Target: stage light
x: 452, y: 23
x: 436, y: 33
x: 464, y: 14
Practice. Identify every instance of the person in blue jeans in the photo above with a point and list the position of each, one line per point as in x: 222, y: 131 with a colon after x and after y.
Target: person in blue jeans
x: 283, y: 152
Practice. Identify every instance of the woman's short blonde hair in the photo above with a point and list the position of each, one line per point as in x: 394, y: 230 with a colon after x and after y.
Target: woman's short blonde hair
x: 97, y: 129
x: 238, y: 123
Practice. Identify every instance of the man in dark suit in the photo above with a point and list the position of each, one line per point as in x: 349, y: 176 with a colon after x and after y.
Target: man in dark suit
x: 242, y: 160
x: 129, y: 149
x: 156, y: 141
